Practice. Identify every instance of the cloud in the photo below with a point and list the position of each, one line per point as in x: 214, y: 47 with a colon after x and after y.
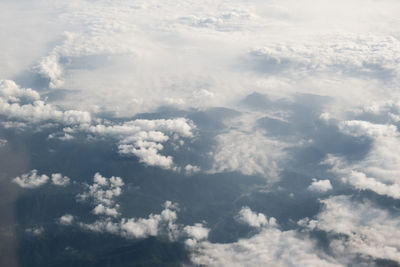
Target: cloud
x: 26, y: 105
x: 103, y: 193
x: 3, y: 142
x: 143, y: 138
x: 195, y: 233
x: 130, y: 228
x: 66, y: 219
x: 250, y: 153
x: 36, y: 231
x: 31, y: 180
x: 358, y: 228
x: 270, y: 246
x: 11, y: 92
x: 190, y: 169
x: 380, y: 169
x: 247, y: 216
x: 320, y: 186
x: 122, y: 58
x: 50, y: 68
x: 105, y: 58
x: 59, y: 179
x: 372, y: 56
x: 147, y: 152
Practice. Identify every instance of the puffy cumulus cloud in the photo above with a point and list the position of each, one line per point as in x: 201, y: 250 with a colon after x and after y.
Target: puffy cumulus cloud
x: 358, y: 228
x: 320, y: 186
x: 50, y: 68
x: 26, y: 105
x: 59, y: 179
x: 103, y: 193
x: 270, y: 247
x: 33, y: 179
x: 380, y: 169
x: 147, y: 152
x: 143, y: 138
x: 195, y: 233
x: 10, y: 91
x: 153, y: 225
x: 247, y: 216
x: 66, y: 219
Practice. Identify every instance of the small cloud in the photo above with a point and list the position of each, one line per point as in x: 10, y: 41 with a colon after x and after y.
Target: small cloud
x: 31, y: 180
x: 59, y: 179
x: 249, y: 217
x: 100, y: 209
x: 320, y: 186
x: 103, y: 193
x: 66, y: 219
x: 190, y: 169
x: 3, y: 142
x: 36, y: 231
x: 140, y: 227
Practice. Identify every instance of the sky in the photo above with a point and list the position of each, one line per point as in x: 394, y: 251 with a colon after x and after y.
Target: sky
x: 216, y: 133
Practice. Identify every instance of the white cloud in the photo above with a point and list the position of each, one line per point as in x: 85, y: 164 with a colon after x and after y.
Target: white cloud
x: 10, y: 91
x: 147, y: 152
x: 348, y: 54
x: 140, y: 227
x: 250, y: 153
x: 31, y: 179
x: 98, y: 51
x: 247, y: 216
x: 126, y: 57
x: 364, y: 128
x: 59, y: 179
x: 143, y: 138
x: 320, y: 186
x: 50, y: 68
x: 100, y: 209
x: 66, y: 219
x: 368, y: 230
x: 26, y: 105
x: 195, y: 233
x: 380, y: 169
x: 270, y: 247
x: 103, y: 193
